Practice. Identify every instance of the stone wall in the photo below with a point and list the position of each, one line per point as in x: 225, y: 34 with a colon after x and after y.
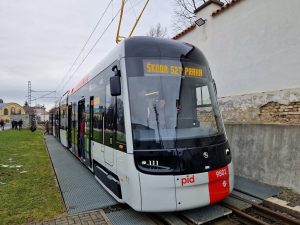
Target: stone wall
x: 263, y: 130
x: 267, y: 153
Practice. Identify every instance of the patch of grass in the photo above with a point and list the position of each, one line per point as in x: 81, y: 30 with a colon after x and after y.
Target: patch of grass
x: 28, y: 190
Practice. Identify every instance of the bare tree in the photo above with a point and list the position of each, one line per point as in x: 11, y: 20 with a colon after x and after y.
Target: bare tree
x: 184, y: 13
x: 158, y: 31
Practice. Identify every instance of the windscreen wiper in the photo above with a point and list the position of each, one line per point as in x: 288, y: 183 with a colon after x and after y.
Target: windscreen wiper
x: 157, y: 123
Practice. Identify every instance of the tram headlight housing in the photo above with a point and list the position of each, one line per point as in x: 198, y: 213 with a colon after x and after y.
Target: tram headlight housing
x: 156, y: 162
x: 227, y: 152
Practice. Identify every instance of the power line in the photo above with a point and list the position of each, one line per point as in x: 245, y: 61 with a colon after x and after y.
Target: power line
x: 40, y: 91
x: 86, y: 42
x: 44, y: 96
x: 89, y: 52
x: 133, y: 9
x: 71, y: 76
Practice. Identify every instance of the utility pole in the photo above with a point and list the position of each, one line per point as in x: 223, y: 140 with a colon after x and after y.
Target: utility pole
x: 29, y: 93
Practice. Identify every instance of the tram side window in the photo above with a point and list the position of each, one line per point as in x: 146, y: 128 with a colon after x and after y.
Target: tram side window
x: 121, y: 137
x: 109, y: 132
x: 99, y: 109
x: 61, y: 119
x: 74, y: 124
x: 87, y: 120
x: 66, y: 118
x: 63, y: 114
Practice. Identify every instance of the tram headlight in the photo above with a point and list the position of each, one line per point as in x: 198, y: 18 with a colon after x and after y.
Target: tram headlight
x: 156, y: 162
x: 227, y: 152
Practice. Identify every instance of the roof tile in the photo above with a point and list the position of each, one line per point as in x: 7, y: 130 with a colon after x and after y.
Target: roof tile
x: 190, y: 28
x: 224, y: 7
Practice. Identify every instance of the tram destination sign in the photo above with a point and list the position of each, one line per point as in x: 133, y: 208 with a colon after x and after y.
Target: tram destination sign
x: 172, y: 68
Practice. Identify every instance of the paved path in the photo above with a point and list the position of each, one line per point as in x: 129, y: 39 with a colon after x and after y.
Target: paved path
x: 96, y: 217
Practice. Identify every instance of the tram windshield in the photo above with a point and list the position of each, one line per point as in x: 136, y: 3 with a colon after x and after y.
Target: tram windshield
x: 173, y: 108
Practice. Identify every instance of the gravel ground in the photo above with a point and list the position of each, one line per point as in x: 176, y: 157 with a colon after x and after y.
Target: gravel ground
x: 290, y: 196
x: 230, y: 220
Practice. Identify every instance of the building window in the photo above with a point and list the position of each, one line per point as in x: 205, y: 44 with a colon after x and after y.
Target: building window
x: 6, y: 112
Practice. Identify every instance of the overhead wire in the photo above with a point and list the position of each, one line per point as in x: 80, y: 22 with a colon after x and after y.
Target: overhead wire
x: 94, y: 45
x: 44, y: 95
x: 133, y: 9
x: 86, y: 42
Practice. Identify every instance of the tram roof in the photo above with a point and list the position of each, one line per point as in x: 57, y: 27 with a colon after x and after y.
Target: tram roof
x: 143, y: 46
x: 156, y: 47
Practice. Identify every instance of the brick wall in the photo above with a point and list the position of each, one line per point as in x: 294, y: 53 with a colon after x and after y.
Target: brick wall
x: 275, y: 112
x: 204, y: 115
x: 275, y: 107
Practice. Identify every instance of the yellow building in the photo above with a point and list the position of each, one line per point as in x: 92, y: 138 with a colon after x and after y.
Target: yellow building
x: 9, y: 110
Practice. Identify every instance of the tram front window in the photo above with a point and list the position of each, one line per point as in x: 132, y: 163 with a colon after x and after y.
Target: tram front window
x: 173, y: 112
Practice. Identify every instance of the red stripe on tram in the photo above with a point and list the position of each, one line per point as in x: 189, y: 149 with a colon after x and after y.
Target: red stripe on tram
x: 218, y: 185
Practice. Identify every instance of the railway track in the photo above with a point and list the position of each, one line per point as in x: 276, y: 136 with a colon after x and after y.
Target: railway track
x: 260, y: 214
x: 253, y: 214
x: 237, y: 211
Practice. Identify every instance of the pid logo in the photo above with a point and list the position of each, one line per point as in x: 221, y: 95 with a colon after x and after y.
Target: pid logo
x: 188, y: 180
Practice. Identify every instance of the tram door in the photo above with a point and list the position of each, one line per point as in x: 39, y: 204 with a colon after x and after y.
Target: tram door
x: 88, y: 131
x: 84, y: 126
x: 69, y: 135
x: 81, y: 129
x: 74, y: 129
x: 51, y: 124
x: 109, y: 127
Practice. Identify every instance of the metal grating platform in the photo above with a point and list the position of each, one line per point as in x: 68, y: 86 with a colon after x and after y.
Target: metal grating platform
x: 255, y: 188
x: 206, y: 214
x: 129, y: 217
x: 80, y: 190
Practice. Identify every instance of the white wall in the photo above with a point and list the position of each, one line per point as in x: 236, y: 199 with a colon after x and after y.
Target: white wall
x: 254, y: 46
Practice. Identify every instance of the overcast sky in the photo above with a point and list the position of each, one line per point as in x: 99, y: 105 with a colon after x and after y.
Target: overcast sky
x: 40, y: 39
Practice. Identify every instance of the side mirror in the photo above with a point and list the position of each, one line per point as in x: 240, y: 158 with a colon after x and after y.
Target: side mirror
x: 115, y: 82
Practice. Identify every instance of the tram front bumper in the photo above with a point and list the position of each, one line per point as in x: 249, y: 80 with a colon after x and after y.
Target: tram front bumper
x: 165, y: 193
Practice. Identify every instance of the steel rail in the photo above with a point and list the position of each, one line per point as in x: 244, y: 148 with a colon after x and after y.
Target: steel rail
x: 244, y: 215
x: 275, y: 214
